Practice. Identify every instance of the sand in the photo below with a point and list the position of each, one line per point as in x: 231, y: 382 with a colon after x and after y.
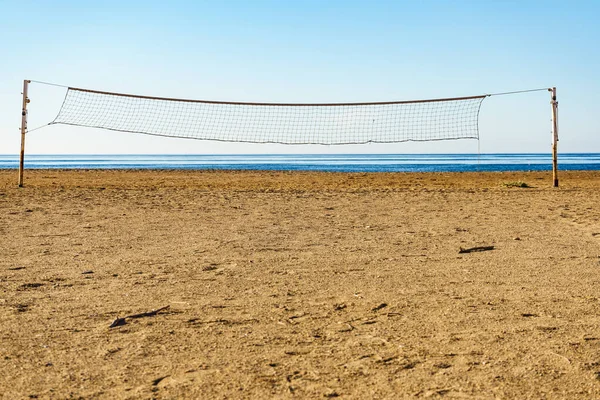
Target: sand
x: 299, y: 285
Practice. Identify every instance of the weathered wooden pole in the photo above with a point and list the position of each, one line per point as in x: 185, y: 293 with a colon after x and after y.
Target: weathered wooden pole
x: 23, y: 131
x: 554, y: 104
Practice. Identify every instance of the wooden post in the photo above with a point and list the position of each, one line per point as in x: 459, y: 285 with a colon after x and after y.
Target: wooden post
x: 23, y: 130
x: 554, y: 105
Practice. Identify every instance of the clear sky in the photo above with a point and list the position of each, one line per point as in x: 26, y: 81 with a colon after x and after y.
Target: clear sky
x: 305, y: 51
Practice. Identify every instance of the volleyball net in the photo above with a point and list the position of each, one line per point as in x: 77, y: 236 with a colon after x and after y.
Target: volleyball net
x: 324, y: 124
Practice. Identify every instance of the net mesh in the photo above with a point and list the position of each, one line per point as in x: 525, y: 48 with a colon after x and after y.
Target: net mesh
x: 327, y: 124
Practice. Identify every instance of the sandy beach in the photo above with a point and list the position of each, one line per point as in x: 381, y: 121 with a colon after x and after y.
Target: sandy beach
x: 256, y: 285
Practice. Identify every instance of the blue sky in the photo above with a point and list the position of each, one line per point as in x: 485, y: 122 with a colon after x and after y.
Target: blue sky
x: 305, y: 51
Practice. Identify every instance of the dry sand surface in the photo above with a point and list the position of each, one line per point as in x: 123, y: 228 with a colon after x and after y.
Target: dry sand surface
x: 299, y: 285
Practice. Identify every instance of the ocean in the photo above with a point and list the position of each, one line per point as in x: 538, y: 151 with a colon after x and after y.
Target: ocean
x: 314, y: 162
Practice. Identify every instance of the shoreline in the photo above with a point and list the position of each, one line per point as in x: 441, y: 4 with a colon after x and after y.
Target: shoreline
x: 316, y: 162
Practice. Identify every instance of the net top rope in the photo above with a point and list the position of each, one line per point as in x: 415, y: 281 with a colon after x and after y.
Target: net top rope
x: 279, y: 104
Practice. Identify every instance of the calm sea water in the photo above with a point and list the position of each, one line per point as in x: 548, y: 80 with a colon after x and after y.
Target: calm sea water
x: 316, y: 162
